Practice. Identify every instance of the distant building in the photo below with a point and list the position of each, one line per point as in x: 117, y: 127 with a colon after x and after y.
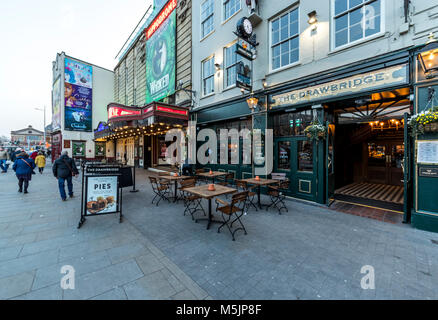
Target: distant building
x: 27, y: 137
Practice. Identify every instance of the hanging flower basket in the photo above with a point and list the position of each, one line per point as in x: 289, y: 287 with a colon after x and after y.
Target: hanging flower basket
x: 315, y: 131
x: 426, y: 121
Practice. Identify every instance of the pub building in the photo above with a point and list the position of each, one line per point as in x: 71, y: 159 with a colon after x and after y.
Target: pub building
x: 368, y: 156
x: 135, y: 136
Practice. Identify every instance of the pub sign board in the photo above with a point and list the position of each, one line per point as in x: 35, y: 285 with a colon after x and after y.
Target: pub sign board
x: 102, y: 195
x: 428, y: 171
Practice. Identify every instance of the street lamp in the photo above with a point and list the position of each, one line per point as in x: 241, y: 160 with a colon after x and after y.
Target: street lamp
x: 252, y: 102
x: 44, y: 130
x: 428, y: 57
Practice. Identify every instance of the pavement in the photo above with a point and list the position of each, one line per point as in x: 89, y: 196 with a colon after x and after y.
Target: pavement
x: 310, y: 252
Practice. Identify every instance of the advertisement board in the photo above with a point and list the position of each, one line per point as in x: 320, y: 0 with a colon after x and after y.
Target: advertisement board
x: 102, y: 195
x: 56, y: 105
x: 160, y: 74
x: 78, y: 96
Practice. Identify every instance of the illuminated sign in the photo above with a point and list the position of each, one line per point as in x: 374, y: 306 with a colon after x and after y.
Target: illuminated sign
x: 162, y: 16
x: 115, y: 112
x: 170, y: 110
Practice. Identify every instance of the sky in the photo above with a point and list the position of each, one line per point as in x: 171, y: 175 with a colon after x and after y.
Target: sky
x: 33, y: 32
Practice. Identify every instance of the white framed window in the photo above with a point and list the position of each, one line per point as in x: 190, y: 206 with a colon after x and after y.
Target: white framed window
x: 231, y: 59
x: 207, y: 16
x: 230, y: 7
x: 285, y: 38
x: 208, y: 76
x: 354, y: 20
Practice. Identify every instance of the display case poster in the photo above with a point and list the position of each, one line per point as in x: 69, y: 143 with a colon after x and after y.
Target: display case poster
x: 78, y: 96
x: 100, y: 149
x: 78, y: 149
x: 102, y: 195
x: 427, y: 152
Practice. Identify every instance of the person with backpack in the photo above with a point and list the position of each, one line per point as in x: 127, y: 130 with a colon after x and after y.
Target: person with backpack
x: 40, y: 161
x: 64, y: 168
x: 23, y: 167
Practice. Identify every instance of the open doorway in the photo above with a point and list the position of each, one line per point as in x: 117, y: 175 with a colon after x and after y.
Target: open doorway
x: 369, y: 149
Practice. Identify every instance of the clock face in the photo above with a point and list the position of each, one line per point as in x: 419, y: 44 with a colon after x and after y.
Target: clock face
x: 247, y: 26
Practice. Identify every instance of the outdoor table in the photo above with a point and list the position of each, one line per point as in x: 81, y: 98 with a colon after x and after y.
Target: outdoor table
x: 176, y: 179
x: 259, y: 183
x: 203, y: 192
x: 213, y: 174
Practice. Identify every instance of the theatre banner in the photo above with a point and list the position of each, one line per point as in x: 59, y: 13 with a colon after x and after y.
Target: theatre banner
x: 160, y: 55
x: 380, y: 79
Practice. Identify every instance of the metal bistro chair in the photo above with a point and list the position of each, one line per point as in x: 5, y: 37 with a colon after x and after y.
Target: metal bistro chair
x: 160, y: 190
x: 277, y: 195
x: 236, y: 209
x: 242, y: 185
x: 192, y: 203
x: 200, y: 178
x: 228, y: 180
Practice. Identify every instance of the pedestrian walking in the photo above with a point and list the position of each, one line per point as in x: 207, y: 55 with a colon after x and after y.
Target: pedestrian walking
x: 23, y: 167
x: 64, y: 169
x: 40, y: 162
x: 15, y: 154
x: 4, y: 159
x: 33, y: 155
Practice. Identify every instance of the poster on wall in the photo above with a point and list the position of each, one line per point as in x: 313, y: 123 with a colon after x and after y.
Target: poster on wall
x: 56, y: 105
x: 100, y: 149
x: 160, y: 76
x: 78, y: 149
x: 102, y: 195
x: 78, y: 96
x: 427, y: 152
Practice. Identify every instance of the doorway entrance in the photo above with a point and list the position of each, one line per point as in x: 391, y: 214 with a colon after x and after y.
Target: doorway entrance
x: 369, y: 149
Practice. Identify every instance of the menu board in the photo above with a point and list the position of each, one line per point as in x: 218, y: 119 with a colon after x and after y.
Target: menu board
x: 102, y: 195
x: 427, y: 151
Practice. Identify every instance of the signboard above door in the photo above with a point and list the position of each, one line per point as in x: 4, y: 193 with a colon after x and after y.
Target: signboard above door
x: 379, y: 79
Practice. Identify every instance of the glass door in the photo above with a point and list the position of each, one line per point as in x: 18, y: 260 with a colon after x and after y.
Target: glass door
x: 377, y: 162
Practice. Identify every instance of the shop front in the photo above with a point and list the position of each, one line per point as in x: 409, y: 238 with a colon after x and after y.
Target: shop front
x: 343, y: 135
x: 135, y: 136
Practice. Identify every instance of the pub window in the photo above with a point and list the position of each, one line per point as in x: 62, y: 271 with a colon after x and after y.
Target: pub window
x: 208, y: 76
x: 231, y: 7
x: 231, y: 60
x: 207, y: 15
x: 354, y: 20
x: 305, y: 155
x: 283, y: 155
x: 292, y: 124
x: 284, y: 40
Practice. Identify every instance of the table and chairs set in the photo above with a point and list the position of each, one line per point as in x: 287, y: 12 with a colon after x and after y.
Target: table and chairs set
x: 172, y: 187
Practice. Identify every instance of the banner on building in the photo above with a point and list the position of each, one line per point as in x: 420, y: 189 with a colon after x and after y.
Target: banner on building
x: 78, y: 96
x: 160, y: 74
x: 56, y: 105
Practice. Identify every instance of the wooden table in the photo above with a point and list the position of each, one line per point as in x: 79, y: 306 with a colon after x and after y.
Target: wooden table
x: 259, y: 183
x: 176, y: 179
x: 213, y: 175
x: 203, y: 192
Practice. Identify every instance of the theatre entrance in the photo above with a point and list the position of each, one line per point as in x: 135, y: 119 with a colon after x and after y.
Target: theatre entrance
x: 368, y: 149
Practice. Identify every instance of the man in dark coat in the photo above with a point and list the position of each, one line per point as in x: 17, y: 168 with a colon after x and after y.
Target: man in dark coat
x: 64, y: 169
x: 23, y: 167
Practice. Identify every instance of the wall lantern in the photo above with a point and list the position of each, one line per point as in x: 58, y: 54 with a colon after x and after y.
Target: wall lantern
x: 312, y: 19
x: 428, y: 57
x: 252, y: 102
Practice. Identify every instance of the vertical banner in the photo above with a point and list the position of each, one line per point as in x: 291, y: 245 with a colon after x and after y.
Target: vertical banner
x: 78, y: 96
x: 160, y: 70
x: 56, y: 105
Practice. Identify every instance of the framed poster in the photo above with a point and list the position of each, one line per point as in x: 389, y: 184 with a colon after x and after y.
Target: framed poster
x: 427, y: 151
x: 78, y: 149
x: 102, y: 195
x: 99, y: 149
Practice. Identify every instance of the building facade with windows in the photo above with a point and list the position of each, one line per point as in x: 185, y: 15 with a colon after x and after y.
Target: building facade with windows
x: 349, y: 66
x: 28, y: 137
x: 152, y: 87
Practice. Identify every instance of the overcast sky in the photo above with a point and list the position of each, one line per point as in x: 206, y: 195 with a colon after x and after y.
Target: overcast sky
x: 32, y: 32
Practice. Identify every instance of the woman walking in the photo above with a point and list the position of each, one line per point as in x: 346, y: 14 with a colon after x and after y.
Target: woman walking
x: 23, y: 167
x: 40, y: 162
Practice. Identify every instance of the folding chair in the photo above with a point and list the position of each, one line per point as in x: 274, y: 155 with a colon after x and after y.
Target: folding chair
x: 242, y: 185
x: 228, y: 180
x: 234, y: 209
x: 277, y: 195
x: 192, y: 203
x: 160, y: 190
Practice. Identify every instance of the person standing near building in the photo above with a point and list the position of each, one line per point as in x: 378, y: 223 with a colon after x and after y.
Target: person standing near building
x: 4, y: 157
x: 23, y: 167
x: 64, y: 169
x: 40, y: 161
